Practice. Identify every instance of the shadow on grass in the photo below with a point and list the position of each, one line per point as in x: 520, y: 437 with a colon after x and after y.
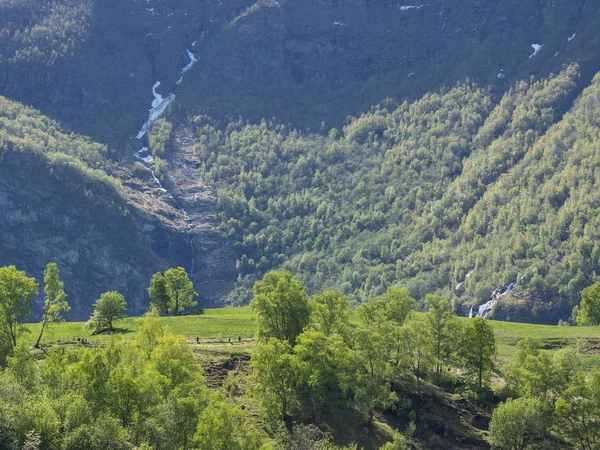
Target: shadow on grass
x: 106, y: 331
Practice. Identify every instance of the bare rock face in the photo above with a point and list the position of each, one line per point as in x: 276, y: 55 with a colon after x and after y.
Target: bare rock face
x: 214, y: 265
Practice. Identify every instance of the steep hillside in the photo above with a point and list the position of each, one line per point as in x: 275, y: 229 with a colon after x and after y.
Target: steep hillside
x: 61, y: 201
x: 91, y: 64
x: 451, y: 193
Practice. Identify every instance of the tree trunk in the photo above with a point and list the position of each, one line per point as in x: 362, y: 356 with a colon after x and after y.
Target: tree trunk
x: 39, y: 339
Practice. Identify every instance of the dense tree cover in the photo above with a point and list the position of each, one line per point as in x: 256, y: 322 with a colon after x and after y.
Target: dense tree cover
x: 149, y: 392
x: 25, y: 129
x: 354, y: 365
x: 420, y: 194
x: 555, y: 402
x: 41, y: 32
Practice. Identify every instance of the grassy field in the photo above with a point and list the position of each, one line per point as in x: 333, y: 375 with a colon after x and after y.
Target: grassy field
x: 216, y: 326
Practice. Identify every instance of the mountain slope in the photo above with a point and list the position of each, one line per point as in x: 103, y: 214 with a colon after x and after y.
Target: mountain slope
x: 61, y: 201
x: 421, y: 194
x: 92, y: 64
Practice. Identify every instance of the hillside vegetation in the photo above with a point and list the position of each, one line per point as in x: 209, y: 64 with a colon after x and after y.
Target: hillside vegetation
x: 421, y: 194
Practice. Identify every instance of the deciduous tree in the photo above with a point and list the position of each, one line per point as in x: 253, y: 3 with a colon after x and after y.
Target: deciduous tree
x: 281, y: 306
x: 55, y: 302
x: 16, y: 293
x: 477, y: 349
x: 110, y: 307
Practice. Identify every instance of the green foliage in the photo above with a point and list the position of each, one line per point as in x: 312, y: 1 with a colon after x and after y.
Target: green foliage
x: 519, y: 424
x: 159, y: 136
x: 536, y: 374
x: 221, y: 426
x: 445, y: 330
x: 276, y: 376
x: 16, y: 293
x: 477, y: 349
x: 327, y: 363
x: 110, y: 307
x: 578, y: 412
x: 281, y: 306
x: 180, y: 290
x: 161, y: 168
x: 419, y: 195
x: 147, y: 390
x: 330, y: 313
x: 159, y: 296
x: 589, y: 309
x: 55, y: 302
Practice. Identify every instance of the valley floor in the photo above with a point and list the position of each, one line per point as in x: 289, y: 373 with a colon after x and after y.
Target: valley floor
x: 216, y: 326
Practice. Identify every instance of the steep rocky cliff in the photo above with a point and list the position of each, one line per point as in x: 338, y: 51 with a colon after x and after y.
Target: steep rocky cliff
x: 302, y: 61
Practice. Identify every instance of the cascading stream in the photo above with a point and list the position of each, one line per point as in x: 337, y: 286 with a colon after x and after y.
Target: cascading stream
x: 159, y: 105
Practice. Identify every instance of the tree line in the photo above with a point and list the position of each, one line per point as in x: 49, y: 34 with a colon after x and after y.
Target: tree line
x: 314, y: 358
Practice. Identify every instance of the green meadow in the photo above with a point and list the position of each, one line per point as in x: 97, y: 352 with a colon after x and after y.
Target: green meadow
x: 216, y: 326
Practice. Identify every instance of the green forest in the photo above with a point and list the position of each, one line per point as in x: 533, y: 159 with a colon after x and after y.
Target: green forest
x: 421, y: 194
x: 315, y: 367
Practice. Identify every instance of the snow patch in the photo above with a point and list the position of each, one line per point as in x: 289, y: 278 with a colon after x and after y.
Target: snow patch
x: 340, y: 24
x: 407, y: 7
x: 501, y: 74
x: 193, y: 61
x: 536, y: 49
x: 571, y: 38
x: 159, y: 104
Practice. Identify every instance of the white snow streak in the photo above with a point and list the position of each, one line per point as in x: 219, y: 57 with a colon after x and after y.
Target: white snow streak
x: 571, y: 38
x: 536, y: 49
x: 407, y: 7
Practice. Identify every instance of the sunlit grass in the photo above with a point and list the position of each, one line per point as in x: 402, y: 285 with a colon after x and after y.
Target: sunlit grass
x: 219, y: 324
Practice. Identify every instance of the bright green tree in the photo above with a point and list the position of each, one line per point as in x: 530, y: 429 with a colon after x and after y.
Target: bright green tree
x: 477, y: 349
x: 180, y: 289
x: 577, y: 412
x: 329, y: 369
x: 55, y: 302
x: 589, y: 308
x: 277, y: 376
x: 444, y: 328
x: 373, y: 370
x: 330, y: 312
x: 159, y: 295
x: 416, y: 346
x: 519, y: 424
x: 222, y: 427
x: 110, y: 307
x: 281, y: 306
x: 16, y: 293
